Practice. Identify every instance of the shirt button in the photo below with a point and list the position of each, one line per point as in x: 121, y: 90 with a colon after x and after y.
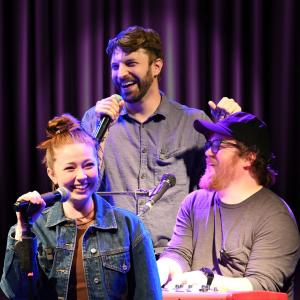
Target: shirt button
x: 143, y: 176
x: 96, y: 280
x: 93, y: 250
x: 144, y: 150
x: 142, y: 202
x: 124, y: 267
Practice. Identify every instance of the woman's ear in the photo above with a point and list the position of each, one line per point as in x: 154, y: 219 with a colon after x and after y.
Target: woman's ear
x: 52, y: 176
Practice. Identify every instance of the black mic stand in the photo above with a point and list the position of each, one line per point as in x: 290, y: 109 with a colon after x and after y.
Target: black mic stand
x: 25, y: 252
x: 134, y: 194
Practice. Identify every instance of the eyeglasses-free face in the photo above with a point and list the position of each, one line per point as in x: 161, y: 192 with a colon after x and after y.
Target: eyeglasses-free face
x: 216, y: 145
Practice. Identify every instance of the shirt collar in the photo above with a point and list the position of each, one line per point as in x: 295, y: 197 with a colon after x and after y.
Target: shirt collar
x: 54, y: 215
x: 162, y: 110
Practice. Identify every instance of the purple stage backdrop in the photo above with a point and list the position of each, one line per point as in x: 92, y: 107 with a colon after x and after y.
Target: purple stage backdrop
x: 52, y: 60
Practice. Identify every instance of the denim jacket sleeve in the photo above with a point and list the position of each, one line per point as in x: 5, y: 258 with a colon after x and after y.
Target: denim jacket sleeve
x: 18, y: 276
x: 145, y: 270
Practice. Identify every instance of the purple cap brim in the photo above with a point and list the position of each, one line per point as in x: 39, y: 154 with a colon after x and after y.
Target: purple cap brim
x: 208, y: 128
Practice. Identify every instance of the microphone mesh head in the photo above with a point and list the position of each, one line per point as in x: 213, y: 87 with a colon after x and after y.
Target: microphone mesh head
x: 65, y: 194
x: 117, y: 97
x: 170, y: 178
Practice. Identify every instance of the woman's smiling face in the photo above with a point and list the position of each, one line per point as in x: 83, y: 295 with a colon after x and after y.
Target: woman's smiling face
x: 76, y: 168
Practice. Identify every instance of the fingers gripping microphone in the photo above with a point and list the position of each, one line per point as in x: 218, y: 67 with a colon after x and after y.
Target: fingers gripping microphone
x: 104, y: 123
x: 61, y: 194
x: 167, y: 181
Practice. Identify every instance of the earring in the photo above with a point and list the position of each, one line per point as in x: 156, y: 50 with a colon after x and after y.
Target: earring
x: 54, y: 186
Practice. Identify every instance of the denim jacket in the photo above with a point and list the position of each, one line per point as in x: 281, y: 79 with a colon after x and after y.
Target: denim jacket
x: 118, y: 257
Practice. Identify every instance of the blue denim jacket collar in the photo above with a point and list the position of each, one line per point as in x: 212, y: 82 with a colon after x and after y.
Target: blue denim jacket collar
x: 105, y: 218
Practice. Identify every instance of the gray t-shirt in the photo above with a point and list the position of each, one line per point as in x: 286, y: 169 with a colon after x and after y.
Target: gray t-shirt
x: 137, y: 155
x: 259, y: 235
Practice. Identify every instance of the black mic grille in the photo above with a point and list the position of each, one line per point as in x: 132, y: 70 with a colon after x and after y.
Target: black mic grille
x: 170, y: 178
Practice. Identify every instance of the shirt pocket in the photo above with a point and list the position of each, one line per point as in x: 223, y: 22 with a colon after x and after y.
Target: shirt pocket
x: 235, y: 259
x: 171, y: 161
x: 116, y: 267
x: 45, y: 258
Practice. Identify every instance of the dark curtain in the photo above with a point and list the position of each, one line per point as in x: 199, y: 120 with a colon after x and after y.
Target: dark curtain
x: 52, y: 60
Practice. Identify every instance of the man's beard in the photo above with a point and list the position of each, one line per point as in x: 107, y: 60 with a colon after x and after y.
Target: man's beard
x: 143, y: 87
x: 218, y: 177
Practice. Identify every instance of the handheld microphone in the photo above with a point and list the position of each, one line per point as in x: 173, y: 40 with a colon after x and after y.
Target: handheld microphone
x: 61, y: 194
x: 104, y: 123
x: 167, y: 181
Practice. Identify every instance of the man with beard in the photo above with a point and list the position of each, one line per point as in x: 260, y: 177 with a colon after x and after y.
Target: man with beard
x: 233, y: 234
x: 151, y: 135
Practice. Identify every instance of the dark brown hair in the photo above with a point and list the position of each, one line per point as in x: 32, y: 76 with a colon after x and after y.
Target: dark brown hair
x: 134, y: 38
x: 261, y: 167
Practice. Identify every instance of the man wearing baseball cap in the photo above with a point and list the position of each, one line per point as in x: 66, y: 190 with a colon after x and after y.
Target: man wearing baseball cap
x: 234, y: 233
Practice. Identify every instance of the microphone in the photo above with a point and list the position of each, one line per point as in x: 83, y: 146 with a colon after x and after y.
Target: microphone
x: 104, y: 123
x: 167, y: 181
x: 61, y: 194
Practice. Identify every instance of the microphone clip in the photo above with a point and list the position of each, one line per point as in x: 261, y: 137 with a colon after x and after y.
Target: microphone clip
x: 224, y: 256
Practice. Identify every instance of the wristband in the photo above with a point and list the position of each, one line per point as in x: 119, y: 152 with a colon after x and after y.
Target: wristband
x: 209, y: 274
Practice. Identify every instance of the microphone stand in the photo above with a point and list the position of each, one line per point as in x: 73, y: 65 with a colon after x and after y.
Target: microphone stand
x: 139, y: 192
x: 134, y: 194
x: 25, y: 252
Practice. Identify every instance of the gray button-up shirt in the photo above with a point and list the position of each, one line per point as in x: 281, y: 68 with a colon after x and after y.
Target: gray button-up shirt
x: 137, y: 155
